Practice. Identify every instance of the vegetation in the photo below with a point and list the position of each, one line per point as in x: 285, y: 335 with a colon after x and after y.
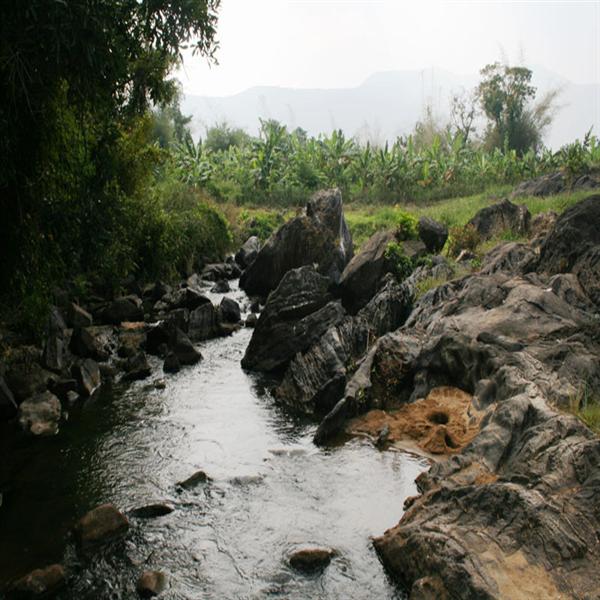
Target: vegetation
x: 586, y: 407
x: 401, y: 266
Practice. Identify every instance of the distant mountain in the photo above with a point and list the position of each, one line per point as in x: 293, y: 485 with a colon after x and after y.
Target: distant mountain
x: 386, y: 105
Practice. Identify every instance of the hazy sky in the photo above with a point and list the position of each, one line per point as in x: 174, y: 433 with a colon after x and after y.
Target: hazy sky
x: 338, y: 43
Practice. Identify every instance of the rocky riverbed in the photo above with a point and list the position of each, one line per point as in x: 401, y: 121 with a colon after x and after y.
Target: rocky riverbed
x: 245, y: 461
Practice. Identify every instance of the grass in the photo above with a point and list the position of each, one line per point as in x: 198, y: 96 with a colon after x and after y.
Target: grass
x: 586, y: 407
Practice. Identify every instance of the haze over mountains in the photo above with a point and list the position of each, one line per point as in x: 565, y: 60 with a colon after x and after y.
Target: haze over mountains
x: 386, y: 105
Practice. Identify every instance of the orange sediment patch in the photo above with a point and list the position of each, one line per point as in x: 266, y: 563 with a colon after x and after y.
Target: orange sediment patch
x: 442, y: 423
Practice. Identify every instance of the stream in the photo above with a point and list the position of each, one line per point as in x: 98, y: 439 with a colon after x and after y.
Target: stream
x: 272, y: 490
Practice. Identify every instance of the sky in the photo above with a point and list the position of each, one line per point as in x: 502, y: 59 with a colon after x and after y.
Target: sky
x: 339, y: 43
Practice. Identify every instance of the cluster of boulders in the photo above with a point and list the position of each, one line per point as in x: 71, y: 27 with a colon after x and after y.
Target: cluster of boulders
x: 113, y: 340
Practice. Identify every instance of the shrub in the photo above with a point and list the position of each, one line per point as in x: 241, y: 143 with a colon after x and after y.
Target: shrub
x: 400, y: 265
x: 462, y: 238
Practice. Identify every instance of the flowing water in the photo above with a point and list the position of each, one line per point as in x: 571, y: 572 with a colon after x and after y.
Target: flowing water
x: 272, y: 491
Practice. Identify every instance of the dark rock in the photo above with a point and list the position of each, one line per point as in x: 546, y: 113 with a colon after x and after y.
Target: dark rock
x: 84, y: 344
x: 576, y: 231
x: 40, y: 583
x: 183, y: 349
x: 8, y: 406
x: 255, y: 306
x: 56, y: 323
x: 180, y: 317
x: 62, y: 387
x: 247, y: 254
x: 40, y: 414
x: 509, y: 257
x: 187, y: 297
x: 362, y: 276
x: 432, y: 234
x: 131, y: 342
x: 587, y: 270
x: 99, y: 526
x: 152, y: 511
x: 126, y: 308
x: 221, y: 287
x: 546, y: 185
x: 230, y: 311
x: 156, y: 291
x: 24, y: 376
x: 87, y: 374
x: 503, y: 216
x: 251, y: 320
x: 194, y: 480
x: 158, y: 336
x: 151, y: 584
x: 297, y: 313
x: 320, y: 236
x: 137, y: 367
x: 171, y: 364
x: 309, y: 560
x: 72, y: 397
x: 204, y: 323
x: 542, y: 224
x: 54, y: 353
x: 226, y: 329
x: 78, y: 317
x: 216, y: 271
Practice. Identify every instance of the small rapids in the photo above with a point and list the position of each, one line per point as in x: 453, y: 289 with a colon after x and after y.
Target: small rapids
x: 272, y: 490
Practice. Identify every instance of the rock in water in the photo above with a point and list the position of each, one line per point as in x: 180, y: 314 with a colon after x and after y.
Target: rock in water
x: 102, y: 524
x: 503, y: 216
x: 152, y: 511
x: 230, y: 311
x: 221, y: 287
x: 40, y: 583
x: 204, y: 323
x: 247, y: 254
x: 433, y: 234
x: 297, y: 313
x: 309, y: 560
x: 127, y: 308
x: 87, y: 375
x: 137, y: 367
x: 40, y: 414
x: 171, y: 364
x: 320, y: 236
x: 191, y: 482
x: 151, y: 584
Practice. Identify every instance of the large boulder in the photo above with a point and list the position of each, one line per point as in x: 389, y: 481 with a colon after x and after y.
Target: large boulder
x: 87, y: 375
x: 363, y: 276
x: 78, y: 316
x: 229, y: 311
x: 126, y: 308
x: 576, y: 232
x: 40, y: 414
x: 99, y: 526
x: 319, y: 236
x: 151, y: 584
x: 247, y: 254
x: 85, y: 344
x: 432, y: 234
x: 204, y: 322
x: 499, y: 217
x: 182, y: 347
x: 545, y: 185
x: 297, y: 313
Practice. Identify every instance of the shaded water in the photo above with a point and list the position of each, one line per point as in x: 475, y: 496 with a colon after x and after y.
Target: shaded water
x: 272, y: 491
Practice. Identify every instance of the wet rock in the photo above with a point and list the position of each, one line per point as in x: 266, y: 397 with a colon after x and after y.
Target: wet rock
x: 183, y: 349
x: 251, y: 320
x: 432, y: 234
x: 63, y: 386
x: 247, y: 254
x: 503, y: 216
x: 216, y: 271
x: 204, y: 323
x: 320, y: 236
x: 310, y: 560
x: 180, y: 317
x: 126, y: 308
x: 194, y: 480
x: 8, y: 406
x: 229, y: 310
x: 99, y: 526
x: 87, y: 374
x: 86, y: 345
x: 78, y: 316
x: 297, y: 313
x: 187, y: 297
x: 24, y: 375
x: 40, y: 583
x: 151, y: 584
x: 576, y: 231
x: 40, y: 415
x: 221, y: 287
x: 152, y: 511
x: 158, y: 337
x: 156, y: 291
x: 137, y: 367
x: 131, y: 342
x: 171, y: 364
x: 362, y: 276
x: 54, y: 353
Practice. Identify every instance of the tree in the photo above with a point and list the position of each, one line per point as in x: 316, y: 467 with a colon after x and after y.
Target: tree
x: 463, y: 110
x: 223, y: 136
x: 505, y: 94
x: 76, y: 79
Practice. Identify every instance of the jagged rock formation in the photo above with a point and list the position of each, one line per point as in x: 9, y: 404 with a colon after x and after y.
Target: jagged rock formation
x: 320, y: 236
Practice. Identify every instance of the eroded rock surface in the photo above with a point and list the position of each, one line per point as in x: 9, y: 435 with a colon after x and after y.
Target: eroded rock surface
x: 320, y: 236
